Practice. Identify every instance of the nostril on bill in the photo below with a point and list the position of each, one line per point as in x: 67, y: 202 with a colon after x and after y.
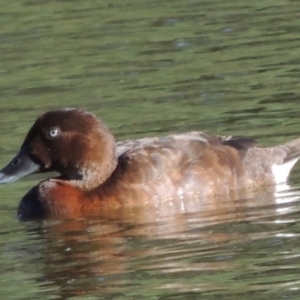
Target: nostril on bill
x: 15, y: 162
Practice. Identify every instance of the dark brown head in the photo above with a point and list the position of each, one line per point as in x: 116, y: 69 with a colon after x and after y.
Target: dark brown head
x: 72, y: 142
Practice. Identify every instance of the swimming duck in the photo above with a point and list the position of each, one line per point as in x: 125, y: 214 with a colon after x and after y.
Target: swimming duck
x: 97, y: 173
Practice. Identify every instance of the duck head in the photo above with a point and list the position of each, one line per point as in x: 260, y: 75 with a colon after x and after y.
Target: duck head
x: 72, y: 142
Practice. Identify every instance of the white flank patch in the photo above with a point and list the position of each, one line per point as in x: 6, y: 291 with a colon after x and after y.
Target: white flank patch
x: 281, y: 172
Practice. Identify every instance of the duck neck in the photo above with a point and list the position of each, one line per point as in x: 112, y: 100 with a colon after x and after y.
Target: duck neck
x: 94, y: 175
x: 97, y: 166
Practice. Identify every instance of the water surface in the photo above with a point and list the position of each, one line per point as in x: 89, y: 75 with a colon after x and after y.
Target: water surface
x: 151, y: 68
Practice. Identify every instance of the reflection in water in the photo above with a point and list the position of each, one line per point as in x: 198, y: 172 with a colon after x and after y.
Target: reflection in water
x: 113, y: 255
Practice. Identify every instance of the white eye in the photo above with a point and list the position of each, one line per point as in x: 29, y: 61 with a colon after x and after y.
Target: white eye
x: 54, y: 132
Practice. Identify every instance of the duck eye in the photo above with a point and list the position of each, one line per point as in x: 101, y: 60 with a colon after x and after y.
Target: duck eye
x: 53, y: 132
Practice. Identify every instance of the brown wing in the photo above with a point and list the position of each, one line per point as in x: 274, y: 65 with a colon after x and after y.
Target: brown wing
x: 178, y: 171
x: 190, y: 162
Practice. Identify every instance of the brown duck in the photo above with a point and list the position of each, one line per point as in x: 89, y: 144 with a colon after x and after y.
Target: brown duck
x: 97, y: 174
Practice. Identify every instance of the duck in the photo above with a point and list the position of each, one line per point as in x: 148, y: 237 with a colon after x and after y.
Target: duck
x: 97, y: 173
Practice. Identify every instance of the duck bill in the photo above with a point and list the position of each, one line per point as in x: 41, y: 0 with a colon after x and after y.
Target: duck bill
x: 20, y: 166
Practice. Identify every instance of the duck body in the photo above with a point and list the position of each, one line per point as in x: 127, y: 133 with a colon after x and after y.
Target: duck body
x: 98, y: 174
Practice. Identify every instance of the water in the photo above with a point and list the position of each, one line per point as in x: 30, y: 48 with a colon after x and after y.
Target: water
x: 151, y: 68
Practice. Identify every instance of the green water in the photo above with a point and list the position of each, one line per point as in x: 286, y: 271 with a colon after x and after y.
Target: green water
x: 150, y: 68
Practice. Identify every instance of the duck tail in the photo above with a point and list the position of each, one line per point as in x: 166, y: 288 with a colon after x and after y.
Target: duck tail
x: 291, y: 154
x: 292, y: 150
